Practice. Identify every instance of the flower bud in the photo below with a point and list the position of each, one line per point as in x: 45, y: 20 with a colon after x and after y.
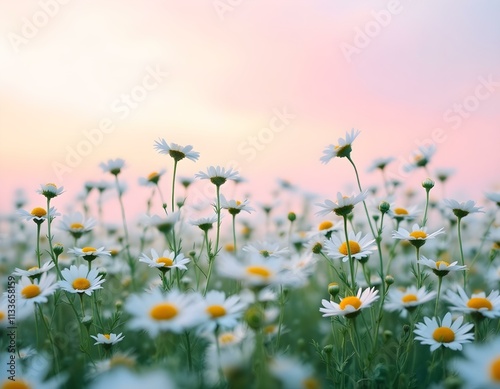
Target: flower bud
x: 333, y: 289
x: 428, y: 184
x: 292, y: 216
x: 384, y: 207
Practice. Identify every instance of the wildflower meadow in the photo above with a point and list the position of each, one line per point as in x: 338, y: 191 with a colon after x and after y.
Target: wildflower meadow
x: 379, y: 288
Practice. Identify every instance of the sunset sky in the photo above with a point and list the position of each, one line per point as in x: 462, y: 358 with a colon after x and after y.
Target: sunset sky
x: 263, y: 85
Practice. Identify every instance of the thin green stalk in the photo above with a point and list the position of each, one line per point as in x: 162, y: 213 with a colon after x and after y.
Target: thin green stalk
x: 49, y: 234
x: 351, y: 263
x: 440, y: 281
x: 51, y: 339
x: 419, y: 274
x: 173, y: 185
x: 462, y: 259
x: 234, y: 232
x: 218, y: 220
x: 424, y: 220
x: 38, y: 253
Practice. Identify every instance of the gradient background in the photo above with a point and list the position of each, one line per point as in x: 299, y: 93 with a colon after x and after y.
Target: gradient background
x: 229, y: 68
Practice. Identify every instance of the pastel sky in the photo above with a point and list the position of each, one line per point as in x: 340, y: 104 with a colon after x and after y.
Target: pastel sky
x: 263, y: 85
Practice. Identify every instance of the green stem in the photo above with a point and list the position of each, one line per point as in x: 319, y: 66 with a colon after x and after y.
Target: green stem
x: 218, y: 220
x: 49, y: 235
x: 459, y: 223
x: 173, y: 185
x: 234, y: 232
x: 424, y: 220
x: 51, y: 339
x: 440, y: 281
x: 351, y: 263
x: 38, y: 253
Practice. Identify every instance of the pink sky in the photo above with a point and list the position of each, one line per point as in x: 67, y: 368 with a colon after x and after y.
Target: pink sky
x: 216, y: 76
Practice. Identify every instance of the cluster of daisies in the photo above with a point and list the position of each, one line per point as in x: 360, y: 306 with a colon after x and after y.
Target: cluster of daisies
x: 231, y: 293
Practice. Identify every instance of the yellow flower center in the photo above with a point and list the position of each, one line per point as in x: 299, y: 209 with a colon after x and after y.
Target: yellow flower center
x: 31, y: 291
x: 258, y: 271
x: 400, y: 211
x: 311, y: 383
x: 351, y: 300
x: 17, y: 384
x: 106, y: 336
x: 163, y: 311
x: 216, y: 311
x: 229, y: 247
x: 238, y: 202
x: 38, y: 212
x: 51, y: 184
x: 438, y: 263
x: 407, y: 298
x: 166, y: 261
x: 121, y: 360
x: 443, y: 335
x: 418, y: 234
x: 81, y: 284
x: 495, y: 370
x: 480, y: 302
x: 76, y: 226
x: 89, y: 249
x: 269, y: 329
x: 152, y: 175
x: 2, y: 315
x: 354, y: 246
x: 33, y: 268
x: 325, y: 225
x: 227, y: 338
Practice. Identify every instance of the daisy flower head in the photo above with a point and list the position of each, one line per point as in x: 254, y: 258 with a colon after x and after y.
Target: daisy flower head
x: 480, y: 368
x: 38, y: 214
x: 168, y: 260
x: 478, y: 303
x: 350, y: 306
x: 125, y: 378
x: 34, y: 271
x: 218, y: 175
x: 50, y: 190
x: 293, y: 373
x: 113, y: 166
x: 462, y: 209
x: 177, y: 152
x: 421, y: 158
x: 204, y: 223
x: 78, y: 279
x: 36, y: 291
x: 442, y: 174
x: 380, y: 163
x: 107, y: 339
x: 401, y: 213
x: 76, y: 224
x: 440, y: 268
x: 90, y: 253
x: 234, y: 207
x: 360, y: 247
x: 342, y: 149
x: 447, y: 332
x: 325, y: 228
x: 152, y: 178
x: 164, y: 224
x: 343, y: 206
x: 155, y: 312
x: 266, y: 249
x: 495, y: 197
x: 418, y: 235
x: 223, y: 312
x: 408, y: 299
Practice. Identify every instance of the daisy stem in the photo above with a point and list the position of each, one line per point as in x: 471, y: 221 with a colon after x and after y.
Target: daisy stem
x: 392, y: 250
x: 424, y: 220
x: 51, y: 339
x: 440, y: 281
x: 419, y: 275
x: 459, y: 225
x: 49, y: 223
x: 173, y: 184
x: 351, y: 263
x: 218, y: 220
x: 38, y: 253
x: 234, y: 232
x: 188, y: 350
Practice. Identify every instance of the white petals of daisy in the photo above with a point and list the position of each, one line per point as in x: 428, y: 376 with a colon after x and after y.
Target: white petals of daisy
x: 80, y: 280
x: 168, y: 260
x: 440, y: 268
x: 478, y: 303
x: 446, y: 332
x: 218, y: 175
x: 360, y: 247
x: 343, y: 206
x: 417, y: 236
x: 36, y: 291
x: 177, y: 152
x: 107, y: 339
x: 404, y: 300
x: 350, y: 306
x: 342, y: 149
x: 462, y: 209
x: 113, y: 166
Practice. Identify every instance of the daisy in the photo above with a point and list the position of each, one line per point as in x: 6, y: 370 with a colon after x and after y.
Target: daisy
x: 36, y: 291
x: 400, y: 213
x: 154, y: 312
x: 38, y: 214
x: 223, y: 312
x: 163, y: 224
x: 152, y: 179
x: 350, y: 306
x: 462, y: 209
x: 204, y: 223
x: 481, y: 367
x: 167, y: 261
x: 421, y: 158
x: 325, y: 228
x: 177, y: 152
x: 442, y: 174
x: 380, y: 163
x: 76, y: 225
x: 293, y: 373
x: 124, y: 378
x: 446, y: 333
x: 440, y: 268
x: 343, y: 206
x: 113, y: 166
x: 218, y: 175
x: 50, y: 190
x: 360, y: 246
x: 495, y: 197
x: 417, y: 237
x: 266, y: 249
x: 107, y: 339
x: 80, y: 280
x: 478, y: 303
x: 404, y: 300
x: 343, y: 149
x: 34, y: 271
x: 90, y: 253
x: 234, y: 206
x: 185, y: 181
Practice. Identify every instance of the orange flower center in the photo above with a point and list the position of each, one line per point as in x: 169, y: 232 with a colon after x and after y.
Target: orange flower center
x: 152, y: 175
x: 165, y: 261
x: 495, y: 370
x: 480, y: 302
x: 89, y: 249
x: 106, y: 336
x: 216, y: 311
x: 325, y: 225
x: 443, y: 335
x: 76, y: 226
x: 17, y: 384
x: 163, y: 311
x: 258, y: 271
x: 81, y: 284
x: 31, y: 291
x: 38, y: 212
x: 354, y: 246
x: 407, y: 298
x: 351, y: 300
x: 442, y: 262
x: 400, y: 211
x: 418, y: 234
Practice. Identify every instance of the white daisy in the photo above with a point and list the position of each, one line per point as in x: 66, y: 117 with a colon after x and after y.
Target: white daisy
x: 380, y: 163
x: 36, y: 291
x: 405, y: 300
x: 478, y: 303
x: 447, y: 333
x: 495, y: 197
x: 80, y: 280
x: 462, y: 209
x: 293, y: 373
x: 152, y: 178
x: 38, y: 214
x: 343, y: 206
x: 326, y: 227
x: 442, y: 174
x: 342, y: 149
x: 218, y: 175
x: 50, y: 190
x: 401, y: 213
x: 177, y: 152
x: 76, y: 224
x: 154, y: 312
x: 266, y: 249
x: 418, y: 235
x: 360, y: 246
x: 234, y: 206
x: 163, y: 224
x: 204, y: 223
x: 113, y: 166
x: 350, y: 306
x: 107, y: 339
x: 421, y: 158
x: 34, y: 271
x: 167, y: 261
x: 124, y: 378
x: 223, y: 312
x: 441, y: 268
x: 90, y: 253
x: 481, y: 367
